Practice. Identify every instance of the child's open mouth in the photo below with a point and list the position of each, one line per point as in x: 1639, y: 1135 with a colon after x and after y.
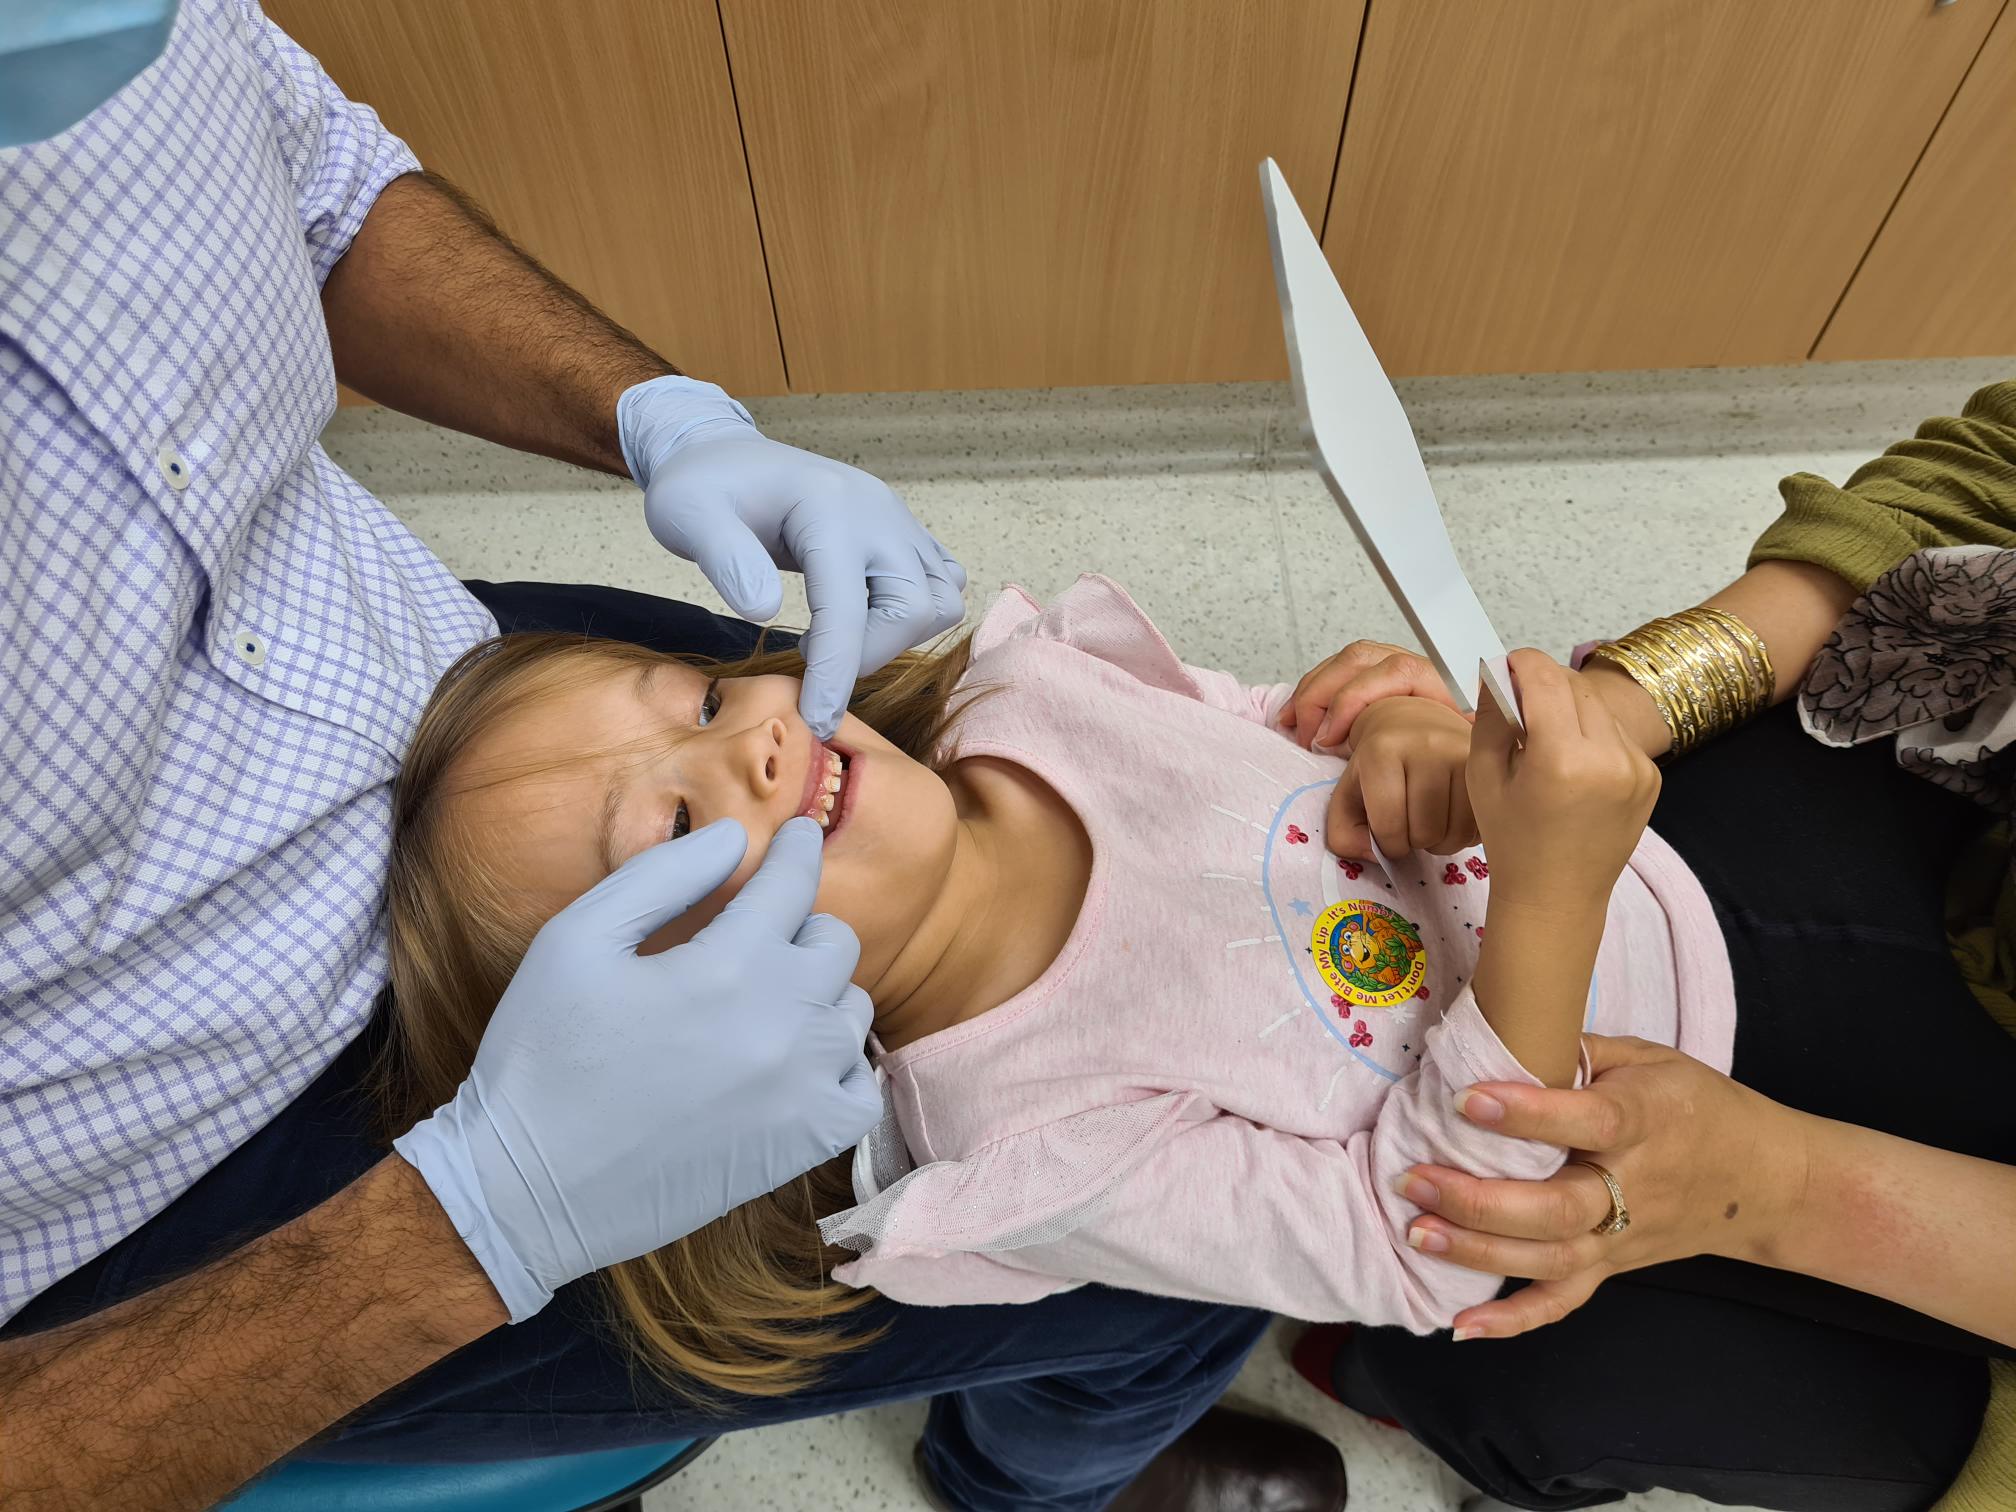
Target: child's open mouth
x: 828, y: 788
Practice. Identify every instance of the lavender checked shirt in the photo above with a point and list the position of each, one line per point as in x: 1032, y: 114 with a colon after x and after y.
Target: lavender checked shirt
x: 214, y: 644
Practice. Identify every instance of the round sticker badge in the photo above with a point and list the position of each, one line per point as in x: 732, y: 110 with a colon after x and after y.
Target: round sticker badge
x: 1371, y: 956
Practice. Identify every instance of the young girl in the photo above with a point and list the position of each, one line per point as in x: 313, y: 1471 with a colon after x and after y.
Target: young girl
x: 1137, y: 1024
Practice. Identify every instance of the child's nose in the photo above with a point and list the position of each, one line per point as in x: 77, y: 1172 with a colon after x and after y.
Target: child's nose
x: 764, y: 756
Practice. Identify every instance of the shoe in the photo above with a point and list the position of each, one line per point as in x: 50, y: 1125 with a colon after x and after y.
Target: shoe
x: 1227, y: 1461
x: 1315, y: 1355
x: 933, y: 1497
x: 1315, y: 1360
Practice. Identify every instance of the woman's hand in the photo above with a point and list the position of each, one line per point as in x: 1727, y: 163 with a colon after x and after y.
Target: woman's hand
x: 1405, y: 784
x: 1706, y: 1167
x: 1327, y: 702
x: 1560, y: 814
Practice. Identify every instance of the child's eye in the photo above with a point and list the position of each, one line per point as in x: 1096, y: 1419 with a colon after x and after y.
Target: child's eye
x: 682, y: 823
x: 710, y: 701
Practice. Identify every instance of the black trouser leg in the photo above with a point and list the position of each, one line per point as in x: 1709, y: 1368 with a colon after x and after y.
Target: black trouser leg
x: 1645, y: 1388
x: 1827, y: 870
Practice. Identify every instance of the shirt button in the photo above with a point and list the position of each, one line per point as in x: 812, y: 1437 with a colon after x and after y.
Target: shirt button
x: 251, y: 648
x: 173, y: 467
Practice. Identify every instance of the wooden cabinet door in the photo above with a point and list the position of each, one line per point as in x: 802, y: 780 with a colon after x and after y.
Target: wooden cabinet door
x: 1031, y: 192
x: 1570, y: 184
x: 1941, y: 279
x: 602, y: 136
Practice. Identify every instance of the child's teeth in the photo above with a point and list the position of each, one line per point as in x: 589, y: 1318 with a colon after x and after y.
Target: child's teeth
x: 824, y: 818
x: 825, y: 803
x: 832, y: 782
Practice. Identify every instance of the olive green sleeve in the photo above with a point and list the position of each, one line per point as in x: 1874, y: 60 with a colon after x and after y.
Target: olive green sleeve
x: 1953, y: 484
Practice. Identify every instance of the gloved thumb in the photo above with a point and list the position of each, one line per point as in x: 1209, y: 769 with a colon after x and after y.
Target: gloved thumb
x: 710, y: 534
x: 862, y: 1099
x: 657, y: 885
x: 778, y: 898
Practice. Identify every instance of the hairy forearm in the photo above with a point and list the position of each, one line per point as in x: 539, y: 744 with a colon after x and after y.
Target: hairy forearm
x: 174, y: 1398
x: 1792, y: 606
x: 1532, y: 982
x: 1924, y: 1227
x: 434, y: 312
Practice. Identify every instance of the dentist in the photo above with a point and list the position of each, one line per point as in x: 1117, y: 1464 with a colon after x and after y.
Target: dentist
x: 217, y: 645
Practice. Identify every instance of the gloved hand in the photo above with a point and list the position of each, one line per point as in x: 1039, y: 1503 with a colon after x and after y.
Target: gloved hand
x: 621, y: 1101
x: 722, y: 495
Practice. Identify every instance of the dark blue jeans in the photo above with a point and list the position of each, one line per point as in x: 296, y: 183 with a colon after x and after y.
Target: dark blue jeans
x: 1053, y: 1405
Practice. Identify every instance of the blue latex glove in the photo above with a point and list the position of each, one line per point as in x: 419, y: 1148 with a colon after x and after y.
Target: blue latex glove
x: 621, y: 1101
x: 722, y: 495
x: 61, y: 59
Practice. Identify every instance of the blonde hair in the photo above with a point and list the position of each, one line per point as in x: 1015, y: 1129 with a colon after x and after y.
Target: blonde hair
x: 745, y: 1304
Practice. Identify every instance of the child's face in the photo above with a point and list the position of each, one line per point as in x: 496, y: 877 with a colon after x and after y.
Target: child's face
x: 626, y: 756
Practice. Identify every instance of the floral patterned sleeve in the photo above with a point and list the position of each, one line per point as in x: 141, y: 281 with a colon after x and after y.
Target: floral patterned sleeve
x: 1928, y: 654
x: 1953, y: 484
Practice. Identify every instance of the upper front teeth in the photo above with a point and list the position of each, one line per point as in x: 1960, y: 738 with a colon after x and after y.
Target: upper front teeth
x: 829, y: 786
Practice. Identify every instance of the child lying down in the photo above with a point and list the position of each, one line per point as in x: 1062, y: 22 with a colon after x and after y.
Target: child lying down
x: 1137, y: 1024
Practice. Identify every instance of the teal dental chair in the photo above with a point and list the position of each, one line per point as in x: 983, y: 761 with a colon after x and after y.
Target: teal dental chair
x: 607, y: 1480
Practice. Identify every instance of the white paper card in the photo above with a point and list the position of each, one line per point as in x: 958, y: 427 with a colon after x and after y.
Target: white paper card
x: 1365, y: 452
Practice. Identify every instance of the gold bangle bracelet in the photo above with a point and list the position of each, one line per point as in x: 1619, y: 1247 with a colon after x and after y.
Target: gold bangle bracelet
x: 1756, y: 653
x: 1704, y: 670
x: 1690, y: 665
x: 1626, y: 658
x: 1708, y: 660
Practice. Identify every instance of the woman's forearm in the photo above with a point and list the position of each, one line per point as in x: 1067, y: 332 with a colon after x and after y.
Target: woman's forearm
x: 1924, y: 1227
x: 1792, y: 606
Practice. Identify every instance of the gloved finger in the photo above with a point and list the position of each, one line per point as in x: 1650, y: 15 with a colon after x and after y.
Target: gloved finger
x: 710, y: 534
x: 859, y: 1103
x: 952, y: 569
x: 948, y: 604
x: 831, y: 1036
x: 900, y: 609
x: 777, y: 899
x: 859, y: 1011
x: 836, y: 589
x: 657, y: 885
x: 859, y: 1083
x: 835, y: 951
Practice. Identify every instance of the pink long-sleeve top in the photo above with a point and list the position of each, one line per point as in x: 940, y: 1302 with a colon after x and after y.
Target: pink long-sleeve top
x: 1243, y: 1040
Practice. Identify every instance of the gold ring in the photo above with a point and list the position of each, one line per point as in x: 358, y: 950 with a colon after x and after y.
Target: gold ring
x: 1620, y: 1216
